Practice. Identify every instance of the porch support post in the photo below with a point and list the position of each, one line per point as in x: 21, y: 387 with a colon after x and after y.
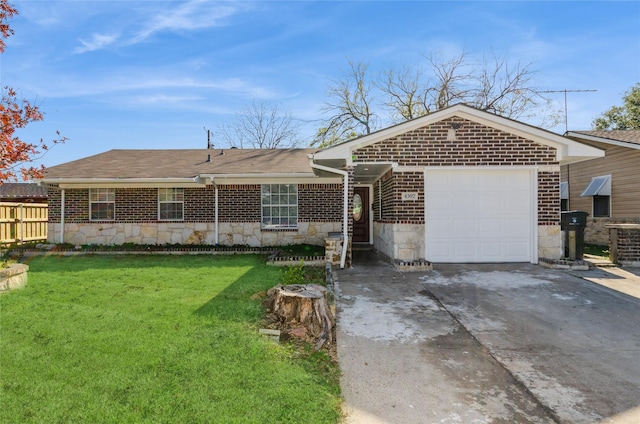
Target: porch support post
x: 345, y: 211
x: 62, y: 216
x: 216, y: 215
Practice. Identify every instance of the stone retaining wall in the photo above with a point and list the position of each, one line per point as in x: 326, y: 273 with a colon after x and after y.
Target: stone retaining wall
x: 13, y: 277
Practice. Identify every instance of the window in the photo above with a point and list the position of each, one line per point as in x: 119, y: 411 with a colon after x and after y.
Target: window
x: 279, y: 206
x: 600, y: 190
x: 170, y: 204
x: 601, y: 206
x: 102, y: 204
x: 564, y: 196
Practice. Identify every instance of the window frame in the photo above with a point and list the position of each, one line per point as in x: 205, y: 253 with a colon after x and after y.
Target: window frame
x: 602, y: 201
x: 273, y: 201
x: 109, y: 200
x: 564, y: 196
x: 176, y: 198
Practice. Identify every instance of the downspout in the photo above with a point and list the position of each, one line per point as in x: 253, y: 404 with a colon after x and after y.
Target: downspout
x: 62, y: 216
x: 345, y: 213
x: 216, y: 216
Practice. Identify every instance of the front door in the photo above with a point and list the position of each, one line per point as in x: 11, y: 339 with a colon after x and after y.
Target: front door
x: 360, y: 215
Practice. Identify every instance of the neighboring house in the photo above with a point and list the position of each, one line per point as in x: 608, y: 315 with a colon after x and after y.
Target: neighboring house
x: 457, y: 185
x: 608, y: 188
x: 23, y: 193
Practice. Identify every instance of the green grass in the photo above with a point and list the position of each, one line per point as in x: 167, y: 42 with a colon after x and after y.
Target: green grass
x: 597, y: 250
x: 153, y: 339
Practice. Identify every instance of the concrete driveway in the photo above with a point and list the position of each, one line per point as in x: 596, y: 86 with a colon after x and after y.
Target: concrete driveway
x: 496, y: 343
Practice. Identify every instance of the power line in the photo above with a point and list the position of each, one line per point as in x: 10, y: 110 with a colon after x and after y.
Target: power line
x: 565, y: 91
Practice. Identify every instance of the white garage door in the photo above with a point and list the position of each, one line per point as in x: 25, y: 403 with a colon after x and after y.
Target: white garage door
x: 479, y: 215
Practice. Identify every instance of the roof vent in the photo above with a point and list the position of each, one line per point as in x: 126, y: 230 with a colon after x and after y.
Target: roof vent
x: 208, y: 158
x: 221, y: 152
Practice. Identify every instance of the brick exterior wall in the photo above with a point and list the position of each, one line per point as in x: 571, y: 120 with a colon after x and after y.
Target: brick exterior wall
x: 629, y: 245
x: 239, y: 203
x: 548, y: 198
x: 236, y: 203
x: 475, y: 145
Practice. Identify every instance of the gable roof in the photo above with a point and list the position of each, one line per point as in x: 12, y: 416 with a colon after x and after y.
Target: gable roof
x: 186, y: 166
x: 624, y: 138
x: 22, y: 191
x: 567, y: 150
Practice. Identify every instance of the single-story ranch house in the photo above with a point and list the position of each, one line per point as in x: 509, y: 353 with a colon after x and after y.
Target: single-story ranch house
x: 457, y: 185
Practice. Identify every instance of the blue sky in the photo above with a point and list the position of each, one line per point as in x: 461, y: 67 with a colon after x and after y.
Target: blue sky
x: 153, y: 74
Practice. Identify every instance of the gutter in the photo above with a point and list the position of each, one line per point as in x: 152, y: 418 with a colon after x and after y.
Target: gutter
x: 345, y: 213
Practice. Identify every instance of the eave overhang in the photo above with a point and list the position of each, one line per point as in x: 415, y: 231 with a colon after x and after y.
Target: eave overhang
x: 202, y: 180
x: 602, y: 140
x: 568, y: 150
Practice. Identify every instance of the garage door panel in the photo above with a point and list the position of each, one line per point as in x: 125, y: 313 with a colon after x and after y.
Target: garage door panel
x: 478, y: 215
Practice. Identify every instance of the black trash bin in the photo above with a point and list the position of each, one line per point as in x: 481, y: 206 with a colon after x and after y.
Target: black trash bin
x: 573, y: 224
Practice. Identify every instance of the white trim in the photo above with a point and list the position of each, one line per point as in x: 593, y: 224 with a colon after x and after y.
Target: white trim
x: 565, y: 147
x: 604, y: 140
x: 534, y: 216
x: 172, y: 202
x: 262, y: 176
x: 91, y: 202
x: 278, y: 205
x: 345, y: 207
x: 370, y: 212
x: 62, y: 217
x: 270, y: 180
x: 216, y: 220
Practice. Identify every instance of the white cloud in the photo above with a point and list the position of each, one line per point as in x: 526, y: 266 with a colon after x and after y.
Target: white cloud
x: 97, y: 42
x: 196, y: 14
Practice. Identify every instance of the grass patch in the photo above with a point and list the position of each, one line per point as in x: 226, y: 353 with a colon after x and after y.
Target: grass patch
x: 596, y: 249
x: 301, y: 250
x: 112, y: 339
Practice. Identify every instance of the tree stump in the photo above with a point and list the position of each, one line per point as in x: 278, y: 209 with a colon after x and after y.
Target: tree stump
x: 304, y: 305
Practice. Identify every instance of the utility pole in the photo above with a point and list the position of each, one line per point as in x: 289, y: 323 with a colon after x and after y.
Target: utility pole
x: 565, y: 91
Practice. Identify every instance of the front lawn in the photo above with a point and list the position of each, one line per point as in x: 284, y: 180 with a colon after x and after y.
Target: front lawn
x: 158, y: 339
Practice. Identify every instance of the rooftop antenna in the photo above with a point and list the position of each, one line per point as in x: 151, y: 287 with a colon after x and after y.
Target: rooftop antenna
x: 209, y: 143
x: 565, y: 91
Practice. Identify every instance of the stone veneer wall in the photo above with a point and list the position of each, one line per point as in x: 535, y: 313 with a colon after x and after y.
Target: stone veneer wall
x: 404, y: 242
x: 597, y: 232
x: 159, y: 233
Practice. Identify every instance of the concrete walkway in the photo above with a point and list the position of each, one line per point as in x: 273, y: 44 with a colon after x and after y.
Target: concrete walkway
x: 485, y: 344
x: 623, y: 280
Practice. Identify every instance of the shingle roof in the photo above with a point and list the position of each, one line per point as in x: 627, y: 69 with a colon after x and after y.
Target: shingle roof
x: 22, y: 190
x: 628, y: 136
x: 184, y: 163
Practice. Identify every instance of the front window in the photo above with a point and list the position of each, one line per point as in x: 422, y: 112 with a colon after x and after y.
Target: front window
x: 600, y: 190
x: 102, y: 204
x: 279, y: 206
x: 170, y: 204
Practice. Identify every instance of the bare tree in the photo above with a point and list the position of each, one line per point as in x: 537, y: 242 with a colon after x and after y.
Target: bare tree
x: 261, y: 126
x: 350, y: 103
x: 407, y: 96
x: 492, y: 84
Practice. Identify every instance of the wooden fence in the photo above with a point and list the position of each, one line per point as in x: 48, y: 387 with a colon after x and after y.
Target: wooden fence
x: 22, y: 222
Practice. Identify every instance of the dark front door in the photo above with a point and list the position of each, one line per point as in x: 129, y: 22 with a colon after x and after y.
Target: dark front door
x: 360, y: 215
